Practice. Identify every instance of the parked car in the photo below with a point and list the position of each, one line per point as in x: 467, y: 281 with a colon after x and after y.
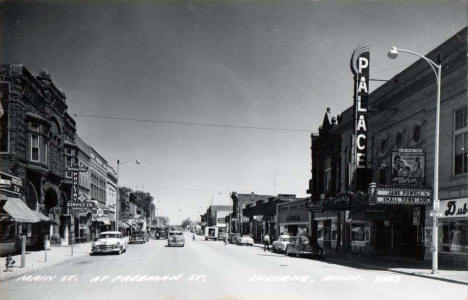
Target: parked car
x: 138, y: 237
x: 301, y: 246
x: 282, y: 242
x: 234, y: 237
x: 109, y: 242
x: 245, y: 240
x: 175, y: 238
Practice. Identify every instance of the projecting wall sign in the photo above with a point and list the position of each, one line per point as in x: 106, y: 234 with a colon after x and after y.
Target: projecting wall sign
x: 360, y: 67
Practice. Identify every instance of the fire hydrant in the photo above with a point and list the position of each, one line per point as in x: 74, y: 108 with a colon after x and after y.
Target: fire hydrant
x: 9, y: 262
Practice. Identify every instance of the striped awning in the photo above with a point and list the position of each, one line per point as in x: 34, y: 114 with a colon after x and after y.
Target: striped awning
x: 44, y: 219
x: 19, y: 211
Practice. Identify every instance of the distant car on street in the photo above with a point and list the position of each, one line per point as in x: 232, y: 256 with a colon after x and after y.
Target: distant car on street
x: 282, y: 242
x: 301, y: 246
x: 109, y: 242
x: 211, y: 233
x: 160, y: 233
x: 175, y: 238
x: 245, y: 240
x: 138, y: 237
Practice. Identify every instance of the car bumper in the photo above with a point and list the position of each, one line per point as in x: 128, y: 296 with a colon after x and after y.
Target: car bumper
x: 110, y: 250
x: 176, y: 244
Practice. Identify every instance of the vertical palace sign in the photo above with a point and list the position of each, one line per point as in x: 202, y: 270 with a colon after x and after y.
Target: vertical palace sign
x: 360, y: 68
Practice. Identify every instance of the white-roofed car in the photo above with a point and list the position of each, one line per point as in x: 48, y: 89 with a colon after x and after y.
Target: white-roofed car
x: 282, y: 242
x: 109, y: 242
x: 175, y: 238
x: 245, y: 240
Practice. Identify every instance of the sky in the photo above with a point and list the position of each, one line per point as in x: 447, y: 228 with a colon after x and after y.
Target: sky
x: 267, y: 64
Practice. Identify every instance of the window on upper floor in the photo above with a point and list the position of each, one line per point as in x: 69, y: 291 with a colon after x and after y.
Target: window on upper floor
x: 327, y: 175
x: 460, y: 141
x: 69, y: 164
x: 35, y: 150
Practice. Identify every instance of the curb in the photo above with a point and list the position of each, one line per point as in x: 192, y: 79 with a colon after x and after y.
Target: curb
x: 331, y: 260
x: 15, y: 276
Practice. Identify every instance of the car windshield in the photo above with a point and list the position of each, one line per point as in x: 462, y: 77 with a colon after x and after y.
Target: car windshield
x: 175, y: 233
x: 246, y: 236
x: 109, y: 235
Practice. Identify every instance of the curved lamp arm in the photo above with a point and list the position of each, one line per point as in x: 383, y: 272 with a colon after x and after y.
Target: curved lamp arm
x: 429, y: 61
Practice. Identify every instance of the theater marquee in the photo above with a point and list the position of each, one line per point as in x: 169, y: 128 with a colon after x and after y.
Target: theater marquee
x: 400, y: 196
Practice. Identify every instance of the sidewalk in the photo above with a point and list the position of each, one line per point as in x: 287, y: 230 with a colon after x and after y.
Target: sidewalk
x: 35, y: 260
x: 414, y: 268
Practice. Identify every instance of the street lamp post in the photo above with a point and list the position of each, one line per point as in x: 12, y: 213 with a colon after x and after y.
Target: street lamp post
x: 437, y: 68
x: 118, y: 192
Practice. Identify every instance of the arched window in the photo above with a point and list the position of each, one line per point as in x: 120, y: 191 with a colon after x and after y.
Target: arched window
x: 31, y: 196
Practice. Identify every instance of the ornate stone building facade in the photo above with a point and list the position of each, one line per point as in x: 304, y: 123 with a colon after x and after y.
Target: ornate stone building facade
x: 35, y: 131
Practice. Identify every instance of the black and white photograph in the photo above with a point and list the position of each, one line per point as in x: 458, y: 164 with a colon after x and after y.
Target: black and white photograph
x: 234, y: 149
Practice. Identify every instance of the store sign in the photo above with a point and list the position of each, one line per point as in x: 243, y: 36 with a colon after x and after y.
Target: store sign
x: 293, y: 218
x: 397, y: 195
x: 10, y: 183
x: 75, y: 181
x: 101, y: 212
x: 360, y: 67
x: 314, y: 206
x: 78, y: 204
x: 454, y: 208
x: 408, y: 166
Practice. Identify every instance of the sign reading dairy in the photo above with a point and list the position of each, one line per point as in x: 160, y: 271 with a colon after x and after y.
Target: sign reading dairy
x: 360, y: 67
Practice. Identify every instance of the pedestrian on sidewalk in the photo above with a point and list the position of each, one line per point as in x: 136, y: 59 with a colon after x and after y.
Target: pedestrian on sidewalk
x: 225, y: 240
x: 266, y: 243
x: 193, y: 236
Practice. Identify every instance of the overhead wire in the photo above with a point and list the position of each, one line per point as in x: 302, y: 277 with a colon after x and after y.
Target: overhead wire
x: 191, y: 123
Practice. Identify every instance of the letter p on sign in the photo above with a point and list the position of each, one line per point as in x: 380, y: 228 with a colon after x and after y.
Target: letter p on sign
x: 363, y: 63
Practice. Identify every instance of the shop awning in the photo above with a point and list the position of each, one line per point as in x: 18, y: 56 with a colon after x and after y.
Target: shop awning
x: 105, y: 222
x: 19, y: 211
x: 44, y: 219
x: 123, y: 225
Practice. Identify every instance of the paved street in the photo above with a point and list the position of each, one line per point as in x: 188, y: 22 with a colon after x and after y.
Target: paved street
x: 211, y: 270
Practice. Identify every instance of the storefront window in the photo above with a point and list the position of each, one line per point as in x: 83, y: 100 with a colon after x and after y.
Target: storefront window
x: 326, y: 233
x: 334, y: 232
x: 8, y: 232
x: 358, y: 232
x: 320, y: 232
x: 454, y: 235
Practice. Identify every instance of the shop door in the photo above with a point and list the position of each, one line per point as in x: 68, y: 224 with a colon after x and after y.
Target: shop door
x: 292, y: 230
x: 383, y: 236
x: 405, y: 235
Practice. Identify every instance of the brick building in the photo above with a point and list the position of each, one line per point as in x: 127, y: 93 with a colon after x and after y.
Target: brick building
x: 36, y: 130
x: 400, y: 143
